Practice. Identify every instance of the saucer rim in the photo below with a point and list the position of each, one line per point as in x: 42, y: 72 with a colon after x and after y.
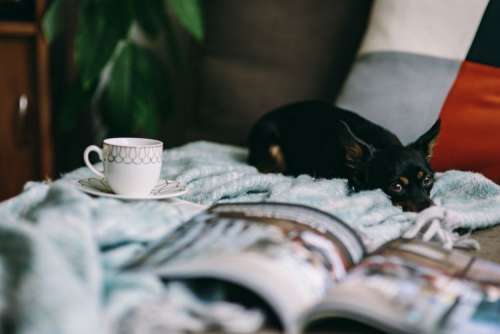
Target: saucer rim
x: 96, y: 192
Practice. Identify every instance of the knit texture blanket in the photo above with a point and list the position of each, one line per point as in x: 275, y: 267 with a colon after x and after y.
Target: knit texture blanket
x: 61, y: 250
x: 219, y: 173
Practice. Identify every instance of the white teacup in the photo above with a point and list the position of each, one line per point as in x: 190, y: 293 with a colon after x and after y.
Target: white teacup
x: 131, y: 165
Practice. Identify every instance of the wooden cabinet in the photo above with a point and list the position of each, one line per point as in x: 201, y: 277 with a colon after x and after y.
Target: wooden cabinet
x: 25, y: 131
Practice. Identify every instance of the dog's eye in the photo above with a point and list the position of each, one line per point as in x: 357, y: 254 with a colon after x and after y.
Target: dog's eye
x: 427, y: 181
x: 396, y: 187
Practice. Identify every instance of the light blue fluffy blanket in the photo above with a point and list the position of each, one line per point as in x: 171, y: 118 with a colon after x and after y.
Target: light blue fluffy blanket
x: 61, y: 250
x: 218, y: 173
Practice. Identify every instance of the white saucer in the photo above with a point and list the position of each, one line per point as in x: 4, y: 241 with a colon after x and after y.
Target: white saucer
x: 164, y: 189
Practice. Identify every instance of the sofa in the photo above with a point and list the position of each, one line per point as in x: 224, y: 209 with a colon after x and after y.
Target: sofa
x: 261, y: 54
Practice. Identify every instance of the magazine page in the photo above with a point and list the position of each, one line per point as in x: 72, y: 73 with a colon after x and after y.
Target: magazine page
x: 451, y: 262
x: 415, y: 287
x: 289, y: 255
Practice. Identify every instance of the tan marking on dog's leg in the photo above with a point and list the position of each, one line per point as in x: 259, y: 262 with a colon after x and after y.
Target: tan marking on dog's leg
x: 277, y: 155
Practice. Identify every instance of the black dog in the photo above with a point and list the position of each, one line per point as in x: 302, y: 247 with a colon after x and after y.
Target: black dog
x: 321, y: 140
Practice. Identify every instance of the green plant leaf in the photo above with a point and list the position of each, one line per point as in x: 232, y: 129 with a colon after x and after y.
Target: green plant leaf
x: 150, y: 15
x: 101, y: 25
x: 52, y: 23
x: 190, y: 16
x: 136, y: 94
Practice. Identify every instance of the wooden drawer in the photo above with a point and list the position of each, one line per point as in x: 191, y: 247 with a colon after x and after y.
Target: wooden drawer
x: 19, y: 126
x: 26, y: 150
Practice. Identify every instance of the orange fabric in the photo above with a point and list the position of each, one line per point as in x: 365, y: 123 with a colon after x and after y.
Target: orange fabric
x: 470, y: 123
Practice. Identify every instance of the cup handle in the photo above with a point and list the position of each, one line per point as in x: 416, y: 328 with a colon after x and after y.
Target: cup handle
x: 86, y: 153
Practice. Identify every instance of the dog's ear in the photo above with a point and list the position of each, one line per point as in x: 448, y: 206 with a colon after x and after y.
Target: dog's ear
x: 426, y: 142
x: 357, y: 150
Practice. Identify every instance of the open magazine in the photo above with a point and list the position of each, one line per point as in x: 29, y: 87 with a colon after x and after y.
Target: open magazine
x: 311, y: 269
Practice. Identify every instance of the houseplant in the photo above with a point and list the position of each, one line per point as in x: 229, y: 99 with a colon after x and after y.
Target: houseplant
x: 121, y: 79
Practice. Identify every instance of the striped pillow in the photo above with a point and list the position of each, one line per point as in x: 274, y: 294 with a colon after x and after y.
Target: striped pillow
x: 423, y: 59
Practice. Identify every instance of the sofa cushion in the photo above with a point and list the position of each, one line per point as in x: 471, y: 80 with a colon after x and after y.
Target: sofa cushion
x: 261, y: 54
x: 422, y: 59
x: 470, y: 138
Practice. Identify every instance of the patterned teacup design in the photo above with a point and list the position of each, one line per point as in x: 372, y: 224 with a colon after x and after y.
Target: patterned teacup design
x: 131, y: 165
